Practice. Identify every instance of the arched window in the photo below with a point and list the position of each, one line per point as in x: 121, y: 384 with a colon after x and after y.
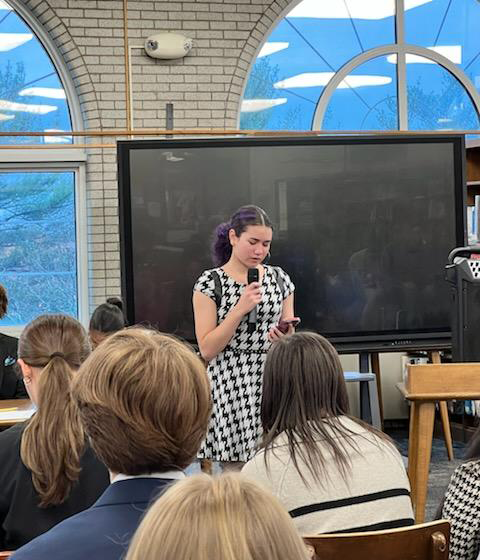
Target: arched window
x: 376, y: 65
x: 39, y: 189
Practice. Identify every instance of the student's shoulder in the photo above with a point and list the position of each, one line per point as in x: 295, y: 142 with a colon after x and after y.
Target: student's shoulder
x: 69, y: 539
x: 470, y: 470
x: 8, y: 344
x: 11, y: 437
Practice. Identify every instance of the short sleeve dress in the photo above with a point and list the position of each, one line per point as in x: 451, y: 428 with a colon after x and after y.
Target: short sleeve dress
x: 236, y: 373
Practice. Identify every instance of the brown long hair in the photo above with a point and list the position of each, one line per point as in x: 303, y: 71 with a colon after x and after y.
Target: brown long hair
x: 222, y: 518
x: 144, y: 399
x: 304, y: 394
x: 53, y: 440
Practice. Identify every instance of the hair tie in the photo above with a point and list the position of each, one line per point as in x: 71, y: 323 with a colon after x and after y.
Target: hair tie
x: 57, y: 355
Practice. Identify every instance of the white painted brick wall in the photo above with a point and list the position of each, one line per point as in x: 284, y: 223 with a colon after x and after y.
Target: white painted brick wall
x: 205, y: 87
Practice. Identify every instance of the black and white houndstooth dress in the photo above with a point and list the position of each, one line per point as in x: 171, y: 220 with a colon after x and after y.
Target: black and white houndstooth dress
x: 236, y: 373
x: 462, y: 508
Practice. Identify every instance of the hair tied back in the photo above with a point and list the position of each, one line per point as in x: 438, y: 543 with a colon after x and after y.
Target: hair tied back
x: 57, y: 355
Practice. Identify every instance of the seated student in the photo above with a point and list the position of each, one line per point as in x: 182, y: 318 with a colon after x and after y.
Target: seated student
x: 11, y: 386
x: 461, y: 504
x: 47, y: 470
x: 105, y: 320
x: 144, y: 400
x: 332, y: 472
x: 224, y: 518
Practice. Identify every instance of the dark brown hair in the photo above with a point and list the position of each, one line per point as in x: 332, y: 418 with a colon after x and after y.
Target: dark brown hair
x: 53, y: 441
x: 304, y: 394
x: 3, y: 302
x: 144, y: 400
x: 245, y: 216
x: 106, y: 319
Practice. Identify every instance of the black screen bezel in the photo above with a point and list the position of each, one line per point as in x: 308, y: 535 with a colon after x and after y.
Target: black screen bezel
x: 371, y: 341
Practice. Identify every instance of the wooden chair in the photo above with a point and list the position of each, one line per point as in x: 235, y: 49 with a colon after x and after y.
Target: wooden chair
x: 428, y: 541
x: 4, y: 555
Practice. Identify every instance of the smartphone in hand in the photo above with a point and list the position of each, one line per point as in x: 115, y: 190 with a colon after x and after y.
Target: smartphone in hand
x: 285, y: 323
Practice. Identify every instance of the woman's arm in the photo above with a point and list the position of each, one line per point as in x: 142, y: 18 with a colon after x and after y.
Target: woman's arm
x: 287, y: 308
x: 211, y: 338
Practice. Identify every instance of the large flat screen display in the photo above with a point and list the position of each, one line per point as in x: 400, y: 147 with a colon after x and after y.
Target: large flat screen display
x: 362, y: 225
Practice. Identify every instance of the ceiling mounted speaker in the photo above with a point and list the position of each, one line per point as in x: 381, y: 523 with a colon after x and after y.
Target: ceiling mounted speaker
x: 168, y: 45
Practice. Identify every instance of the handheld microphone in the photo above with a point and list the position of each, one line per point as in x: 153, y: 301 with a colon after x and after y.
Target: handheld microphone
x: 252, y: 276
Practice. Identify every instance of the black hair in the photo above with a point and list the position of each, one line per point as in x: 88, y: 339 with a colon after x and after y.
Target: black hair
x: 108, y: 317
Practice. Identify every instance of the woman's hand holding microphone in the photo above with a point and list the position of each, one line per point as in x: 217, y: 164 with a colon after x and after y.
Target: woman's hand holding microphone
x: 251, y: 296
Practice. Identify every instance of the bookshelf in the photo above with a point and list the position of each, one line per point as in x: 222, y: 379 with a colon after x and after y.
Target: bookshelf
x: 473, y: 170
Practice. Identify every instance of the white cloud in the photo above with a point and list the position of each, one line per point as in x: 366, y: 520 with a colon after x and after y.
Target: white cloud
x: 6, y: 117
x: 254, y: 105
x: 52, y: 93
x: 9, y: 41
x: 56, y: 139
x: 270, y: 48
x: 316, y: 79
x: 452, y: 52
x: 24, y: 108
x: 357, y: 9
x: 5, y: 6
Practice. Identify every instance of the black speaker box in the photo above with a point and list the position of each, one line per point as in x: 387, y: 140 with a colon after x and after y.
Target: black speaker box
x: 463, y: 273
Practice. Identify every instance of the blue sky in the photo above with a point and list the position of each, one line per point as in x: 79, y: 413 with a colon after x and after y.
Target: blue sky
x: 41, y: 106
x: 319, y: 45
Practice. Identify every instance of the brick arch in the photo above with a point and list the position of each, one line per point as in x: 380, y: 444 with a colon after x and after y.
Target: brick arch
x: 276, y: 10
x: 83, y: 88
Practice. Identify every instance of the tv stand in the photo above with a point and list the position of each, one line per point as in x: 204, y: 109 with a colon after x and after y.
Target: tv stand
x: 364, y: 359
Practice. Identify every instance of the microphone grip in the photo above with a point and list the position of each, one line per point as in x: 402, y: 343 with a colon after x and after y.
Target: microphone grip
x: 252, y: 276
x: 252, y: 320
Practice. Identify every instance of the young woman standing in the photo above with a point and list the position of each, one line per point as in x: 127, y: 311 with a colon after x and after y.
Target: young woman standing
x: 222, y: 300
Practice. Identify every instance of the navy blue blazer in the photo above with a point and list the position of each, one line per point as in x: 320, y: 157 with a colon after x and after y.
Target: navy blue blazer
x: 102, y: 531
x: 11, y: 384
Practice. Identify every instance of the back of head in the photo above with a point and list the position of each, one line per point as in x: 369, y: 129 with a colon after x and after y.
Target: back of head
x: 152, y: 392
x: 106, y: 319
x: 303, y: 381
x: 239, y: 221
x: 224, y: 518
x: 53, y: 441
x: 3, y: 302
x: 304, y: 394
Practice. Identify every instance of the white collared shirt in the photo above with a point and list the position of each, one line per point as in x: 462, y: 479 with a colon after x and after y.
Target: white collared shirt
x: 170, y: 475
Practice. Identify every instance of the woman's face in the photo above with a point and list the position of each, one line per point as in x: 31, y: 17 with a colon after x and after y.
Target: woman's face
x: 252, y: 246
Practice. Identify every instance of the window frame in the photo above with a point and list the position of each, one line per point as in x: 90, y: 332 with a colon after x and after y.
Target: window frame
x: 18, y: 159
x: 78, y: 170
x: 399, y: 47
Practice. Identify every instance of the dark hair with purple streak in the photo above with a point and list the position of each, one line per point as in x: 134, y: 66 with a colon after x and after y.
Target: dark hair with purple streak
x: 240, y: 220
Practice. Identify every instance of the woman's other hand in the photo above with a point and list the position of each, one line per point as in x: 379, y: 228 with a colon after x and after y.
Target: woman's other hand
x: 275, y: 333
